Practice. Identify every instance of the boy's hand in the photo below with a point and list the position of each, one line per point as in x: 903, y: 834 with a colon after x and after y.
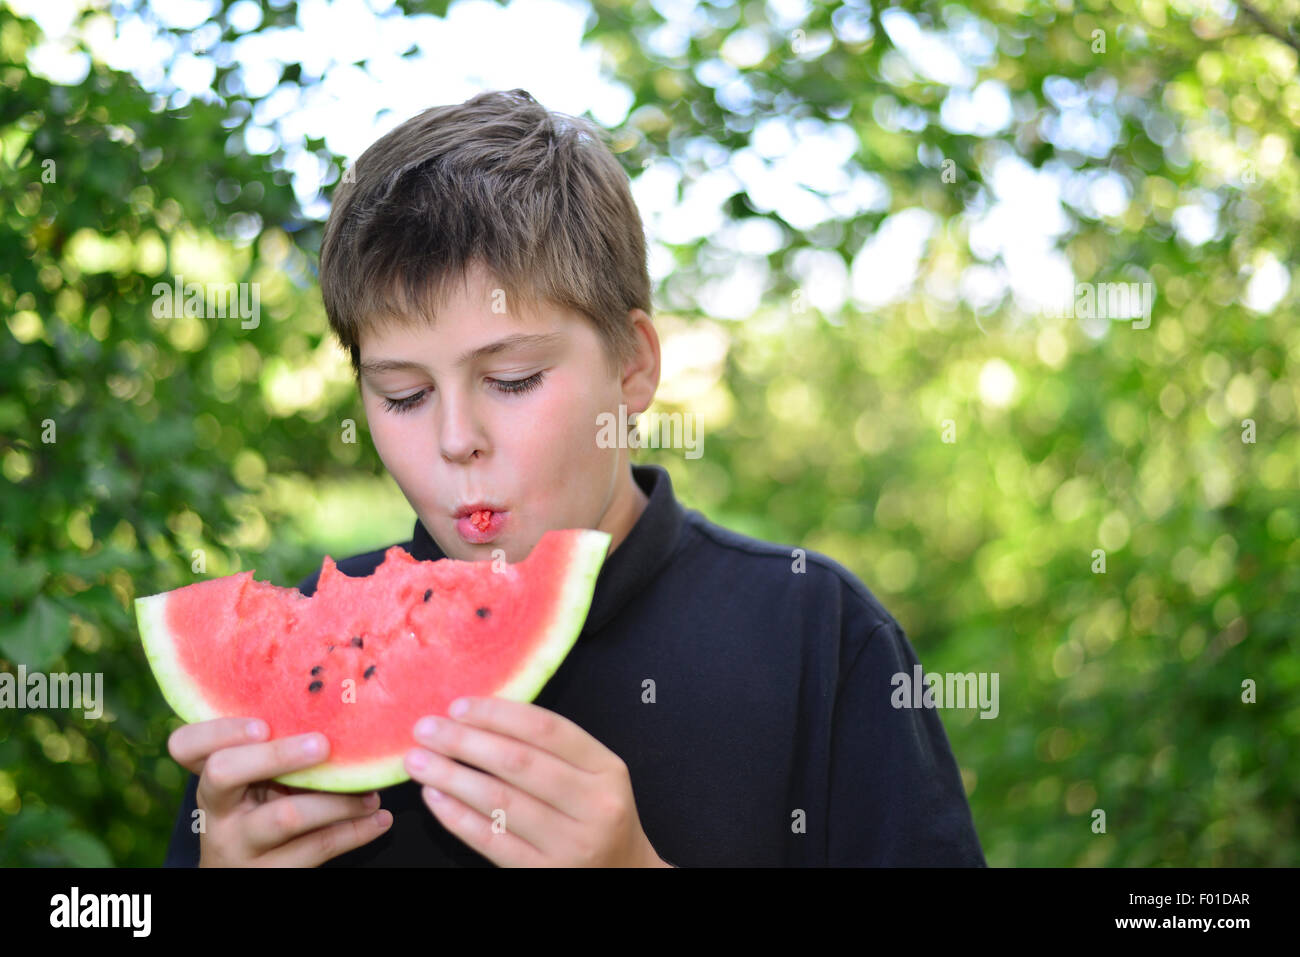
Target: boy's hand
x: 553, y: 796
x: 250, y: 820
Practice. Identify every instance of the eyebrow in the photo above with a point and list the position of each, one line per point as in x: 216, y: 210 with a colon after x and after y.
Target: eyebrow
x: 517, y: 341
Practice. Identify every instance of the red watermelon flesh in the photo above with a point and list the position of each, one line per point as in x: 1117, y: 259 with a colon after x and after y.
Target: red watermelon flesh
x: 364, y: 658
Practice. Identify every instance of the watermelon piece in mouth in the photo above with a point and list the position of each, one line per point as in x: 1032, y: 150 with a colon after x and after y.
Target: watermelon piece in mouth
x: 481, y: 526
x: 364, y: 658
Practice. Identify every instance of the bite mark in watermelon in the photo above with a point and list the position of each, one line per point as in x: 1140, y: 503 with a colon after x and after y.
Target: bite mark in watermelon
x: 364, y: 658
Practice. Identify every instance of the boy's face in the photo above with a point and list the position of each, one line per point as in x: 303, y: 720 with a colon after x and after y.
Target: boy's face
x: 464, y: 439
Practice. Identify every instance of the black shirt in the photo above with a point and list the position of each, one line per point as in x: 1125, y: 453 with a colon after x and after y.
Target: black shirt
x: 771, y: 739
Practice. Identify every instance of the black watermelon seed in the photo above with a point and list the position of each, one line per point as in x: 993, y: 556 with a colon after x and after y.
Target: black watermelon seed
x: 427, y: 593
x: 329, y: 647
x: 370, y: 671
x: 481, y: 612
x: 357, y: 643
x: 315, y: 686
x: 317, y: 670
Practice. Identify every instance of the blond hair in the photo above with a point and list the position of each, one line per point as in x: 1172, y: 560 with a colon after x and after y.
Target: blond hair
x: 534, y: 196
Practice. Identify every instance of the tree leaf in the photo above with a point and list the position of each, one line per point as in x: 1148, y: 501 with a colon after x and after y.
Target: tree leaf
x: 39, y: 637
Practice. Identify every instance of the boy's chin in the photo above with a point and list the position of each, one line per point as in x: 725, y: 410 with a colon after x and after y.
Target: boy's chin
x: 488, y: 551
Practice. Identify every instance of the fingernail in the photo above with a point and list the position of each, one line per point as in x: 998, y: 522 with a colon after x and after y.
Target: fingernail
x: 418, y: 760
x: 372, y: 800
x: 383, y: 819
x: 257, y: 729
x: 458, y: 707
x: 313, y: 745
x: 433, y: 793
x: 426, y: 727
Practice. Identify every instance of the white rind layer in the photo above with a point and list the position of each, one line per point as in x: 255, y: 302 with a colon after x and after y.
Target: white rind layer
x: 570, y: 615
x: 181, y: 693
x: 576, y: 594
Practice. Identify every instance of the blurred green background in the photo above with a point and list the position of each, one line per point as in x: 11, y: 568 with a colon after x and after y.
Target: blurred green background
x: 824, y: 425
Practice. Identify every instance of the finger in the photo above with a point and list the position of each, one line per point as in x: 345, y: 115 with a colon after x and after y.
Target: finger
x: 317, y: 847
x: 503, y: 849
x: 279, y: 821
x: 191, y: 744
x: 542, y: 826
x: 531, y: 769
x: 540, y: 727
x: 230, y: 771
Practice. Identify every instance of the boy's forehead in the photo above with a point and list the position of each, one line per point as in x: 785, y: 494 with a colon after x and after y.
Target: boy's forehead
x: 470, y: 316
x: 384, y: 345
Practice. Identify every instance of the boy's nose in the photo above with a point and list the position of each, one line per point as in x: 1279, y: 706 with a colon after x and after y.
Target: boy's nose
x: 460, y: 436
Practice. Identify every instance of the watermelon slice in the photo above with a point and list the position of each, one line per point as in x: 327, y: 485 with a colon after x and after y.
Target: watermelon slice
x: 364, y: 658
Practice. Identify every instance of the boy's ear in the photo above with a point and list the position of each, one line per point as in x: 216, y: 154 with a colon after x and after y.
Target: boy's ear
x: 641, y: 371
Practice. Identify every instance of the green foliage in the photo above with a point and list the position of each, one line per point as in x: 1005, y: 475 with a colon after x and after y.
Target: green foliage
x: 136, y: 448
x: 132, y: 442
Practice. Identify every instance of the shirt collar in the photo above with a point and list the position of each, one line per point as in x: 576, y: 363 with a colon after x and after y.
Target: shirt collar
x: 631, y: 566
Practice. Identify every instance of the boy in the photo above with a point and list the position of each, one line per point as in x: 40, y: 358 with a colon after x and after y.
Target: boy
x: 728, y: 701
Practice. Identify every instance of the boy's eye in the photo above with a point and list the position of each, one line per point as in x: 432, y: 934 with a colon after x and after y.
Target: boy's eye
x: 507, y: 386
x: 406, y: 404
x: 516, y: 386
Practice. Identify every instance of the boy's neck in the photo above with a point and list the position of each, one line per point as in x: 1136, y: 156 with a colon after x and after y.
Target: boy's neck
x: 621, y: 517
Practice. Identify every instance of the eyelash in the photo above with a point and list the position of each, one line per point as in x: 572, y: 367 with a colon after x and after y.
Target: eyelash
x: 504, y: 386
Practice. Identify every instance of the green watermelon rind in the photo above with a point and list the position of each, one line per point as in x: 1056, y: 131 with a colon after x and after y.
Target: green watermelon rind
x: 186, y: 699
